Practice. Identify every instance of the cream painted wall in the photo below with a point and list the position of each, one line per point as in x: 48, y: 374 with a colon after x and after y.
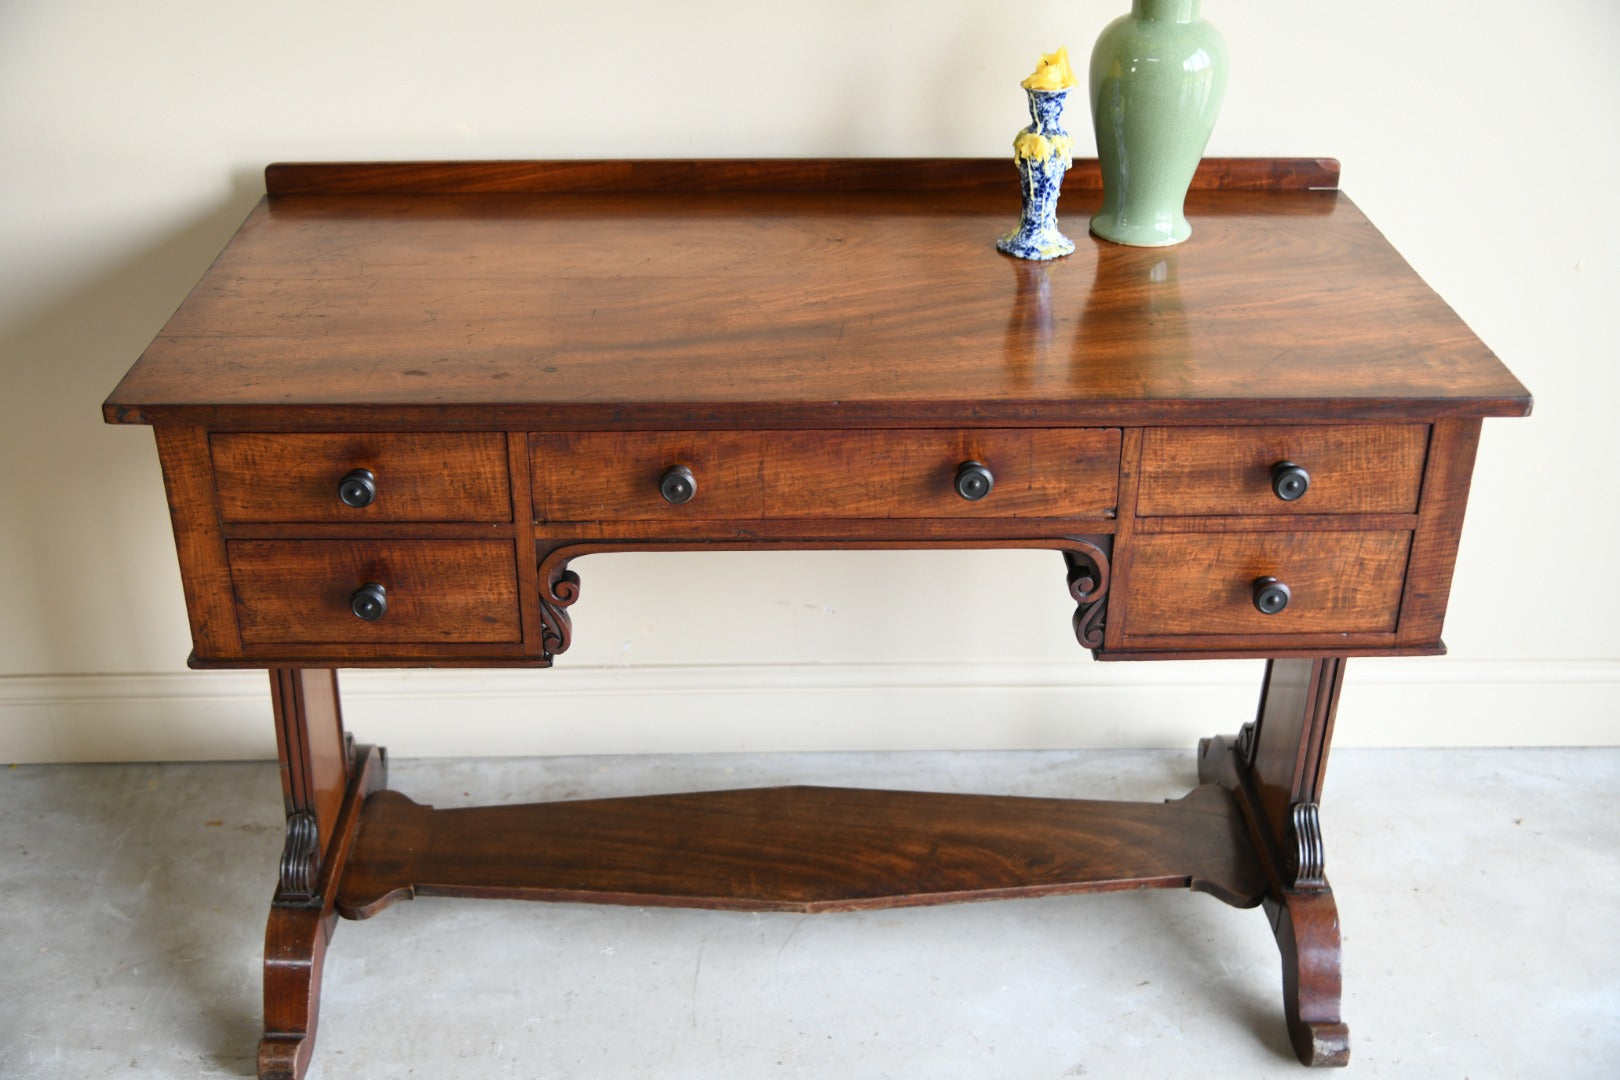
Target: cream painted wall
x: 1479, y: 136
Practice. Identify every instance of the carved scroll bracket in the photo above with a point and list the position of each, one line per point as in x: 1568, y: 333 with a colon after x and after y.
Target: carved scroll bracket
x: 1309, y: 858
x: 1248, y: 742
x: 1088, y: 584
x: 558, y: 590
x: 300, y: 861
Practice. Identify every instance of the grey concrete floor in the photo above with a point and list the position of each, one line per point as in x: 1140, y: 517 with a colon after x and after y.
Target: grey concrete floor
x: 1477, y: 890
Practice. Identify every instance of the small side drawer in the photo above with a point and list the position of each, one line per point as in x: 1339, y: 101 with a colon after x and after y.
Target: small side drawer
x: 860, y: 473
x: 1204, y: 584
x: 430, y: 476
x: 300, y: 591
x: 1352, y: 469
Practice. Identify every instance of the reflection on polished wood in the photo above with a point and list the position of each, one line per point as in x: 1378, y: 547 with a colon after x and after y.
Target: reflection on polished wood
x: 878, y: 306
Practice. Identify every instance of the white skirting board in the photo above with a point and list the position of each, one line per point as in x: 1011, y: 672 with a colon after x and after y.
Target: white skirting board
x: 430, y: 713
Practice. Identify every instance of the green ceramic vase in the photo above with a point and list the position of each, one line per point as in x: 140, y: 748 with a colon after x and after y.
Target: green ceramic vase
x: 1157, y: 79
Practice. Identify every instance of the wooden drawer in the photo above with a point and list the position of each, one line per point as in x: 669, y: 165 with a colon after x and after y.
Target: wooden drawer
x: 1203, y: 584
x: 1353, y: 468
x: 592, y: 476
x: 298, y: 591
x: 432, y: 476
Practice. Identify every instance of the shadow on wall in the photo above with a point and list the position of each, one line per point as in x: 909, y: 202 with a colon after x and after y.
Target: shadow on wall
x: 82, y: 531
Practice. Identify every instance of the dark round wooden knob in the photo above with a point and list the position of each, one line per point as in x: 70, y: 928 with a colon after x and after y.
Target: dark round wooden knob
x: 369, y: 602
x: 678, y: 485
x: 973, y: 481
x: 1289, y: 481
x: 358, y: 488
x: 1270, y: 595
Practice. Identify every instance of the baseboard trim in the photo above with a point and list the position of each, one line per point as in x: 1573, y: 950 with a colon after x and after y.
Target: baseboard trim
x: 223, y: 715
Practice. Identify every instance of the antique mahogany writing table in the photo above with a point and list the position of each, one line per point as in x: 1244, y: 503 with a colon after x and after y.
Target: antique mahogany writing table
x: 407, y: 397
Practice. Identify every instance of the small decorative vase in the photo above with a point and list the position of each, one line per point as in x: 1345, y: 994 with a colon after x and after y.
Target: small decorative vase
x: 1042, y: 152
x: 1157, y: 79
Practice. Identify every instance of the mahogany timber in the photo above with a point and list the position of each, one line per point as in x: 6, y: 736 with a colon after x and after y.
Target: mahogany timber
x: 518, y: 350
x: 750, y: 175
x: 881, y: 306
x: 1434, y: 551
x: 1222, y: 523
x: 188, y: 479
x: 1343, y: 583
x: 613, y: 475
x: 1359, y: 468
x: 297, y: 933
x: 799, y: 849
x: 311, y: 744
x: 528, y: 563
x: 420, y: 476
x: 1130, y: 490
x: 1306, y: 926
x: 1294, y: 728
x: 1276, y: 766
x: 437, y: 590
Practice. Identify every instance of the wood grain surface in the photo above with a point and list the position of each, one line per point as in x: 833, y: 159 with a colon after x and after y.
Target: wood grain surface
x: 754, y: 175
x: 311, y: 744
x: 1360, y: 468
x: 1434, y: 544
x: 1342, y: 583
x: 749, y: 175
x: 1063, y: 473
x: 420, y: 476
x: 188, y: 479
x: 291, y: 591
x: 798, y: 849
x: 800, y: 308
x: 297, y: 933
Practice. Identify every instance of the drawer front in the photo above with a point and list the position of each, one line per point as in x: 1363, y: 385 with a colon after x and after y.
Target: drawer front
x: 299, y: 591
x: 1198, y: 584
x: 431, y: 476
x: 593, y: 476
x: 1352, y: 468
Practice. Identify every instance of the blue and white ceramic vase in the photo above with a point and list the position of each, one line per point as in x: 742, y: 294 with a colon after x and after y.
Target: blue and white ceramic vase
x: 1157, y: 79
x: 1043, y: 154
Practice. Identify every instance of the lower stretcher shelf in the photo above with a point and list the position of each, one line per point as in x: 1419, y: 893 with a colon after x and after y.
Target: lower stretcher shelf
x: 799, y: 849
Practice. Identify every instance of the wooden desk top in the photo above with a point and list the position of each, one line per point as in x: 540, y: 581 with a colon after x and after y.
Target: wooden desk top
x: 716, y: 294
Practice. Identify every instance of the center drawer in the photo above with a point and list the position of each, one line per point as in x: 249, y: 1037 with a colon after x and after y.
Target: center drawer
x: 1040, y: 473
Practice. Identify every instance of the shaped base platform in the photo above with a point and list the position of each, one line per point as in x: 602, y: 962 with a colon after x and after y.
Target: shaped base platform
x: 799, y: 849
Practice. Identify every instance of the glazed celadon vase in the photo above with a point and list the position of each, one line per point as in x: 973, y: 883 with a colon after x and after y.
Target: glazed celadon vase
x: 1157, y: 79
